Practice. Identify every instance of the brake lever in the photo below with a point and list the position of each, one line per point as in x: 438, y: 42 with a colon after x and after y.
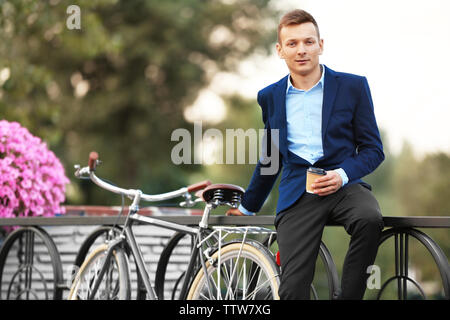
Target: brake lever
x: 189, y: 202
x: 81, y: 172
x: 77, y: 170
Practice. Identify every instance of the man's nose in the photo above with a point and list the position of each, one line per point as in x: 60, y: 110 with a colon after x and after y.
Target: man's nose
x: 301, y: 49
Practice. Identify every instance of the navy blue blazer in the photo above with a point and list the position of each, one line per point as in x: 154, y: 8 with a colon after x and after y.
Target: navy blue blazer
x: 350, y: 138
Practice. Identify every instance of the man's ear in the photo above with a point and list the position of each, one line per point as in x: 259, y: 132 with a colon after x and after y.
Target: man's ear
x: 280, y: 51
x: 321, y: 46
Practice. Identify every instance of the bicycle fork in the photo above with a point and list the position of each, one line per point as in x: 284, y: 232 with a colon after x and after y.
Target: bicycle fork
x: 127, y: 237
x: 138, y: 258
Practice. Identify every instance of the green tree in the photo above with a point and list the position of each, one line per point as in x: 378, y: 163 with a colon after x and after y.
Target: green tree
x: 120, y: 84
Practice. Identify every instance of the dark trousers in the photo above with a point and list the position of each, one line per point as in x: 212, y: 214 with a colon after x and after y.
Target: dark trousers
x: 299, y: 232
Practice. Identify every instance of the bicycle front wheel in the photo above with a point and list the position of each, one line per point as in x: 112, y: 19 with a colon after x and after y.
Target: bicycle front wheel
x: 243, y: 272
x: 115, y: 284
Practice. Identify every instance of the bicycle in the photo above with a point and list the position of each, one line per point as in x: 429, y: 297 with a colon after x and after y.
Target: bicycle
x: 218, y: 269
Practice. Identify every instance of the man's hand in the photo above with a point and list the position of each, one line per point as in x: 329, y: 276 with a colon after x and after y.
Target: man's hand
x: 328, y: 184
x: 234, y: 212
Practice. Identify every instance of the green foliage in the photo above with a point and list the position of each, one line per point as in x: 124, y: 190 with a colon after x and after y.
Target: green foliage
x: 120, y: 84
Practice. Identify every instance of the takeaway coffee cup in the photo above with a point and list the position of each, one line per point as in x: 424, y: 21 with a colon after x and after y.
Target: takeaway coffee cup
x: 311, y: 175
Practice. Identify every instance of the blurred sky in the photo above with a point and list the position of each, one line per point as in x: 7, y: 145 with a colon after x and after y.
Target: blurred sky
x: 401, y: 46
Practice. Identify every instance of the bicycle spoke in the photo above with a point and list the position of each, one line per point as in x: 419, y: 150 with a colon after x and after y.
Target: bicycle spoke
x: 109, y: 286
x: 244, y: 281
x: 241, y: 272
x: 257, y: 289
x: 238, y: 277
x: 245, y: 272
x: 235, y: 267
x: 214, y: 285
x: 251, y: 282
x: 257, y: 271
x: 204, y: 297
x: 230, y: 280
x: 88, y: 280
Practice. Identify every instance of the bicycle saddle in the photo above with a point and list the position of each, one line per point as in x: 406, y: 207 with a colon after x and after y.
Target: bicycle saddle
x: 223, y: 194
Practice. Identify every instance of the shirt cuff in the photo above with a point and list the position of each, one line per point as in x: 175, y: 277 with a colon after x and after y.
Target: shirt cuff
x: 245, y: 211
x: 343, y: 176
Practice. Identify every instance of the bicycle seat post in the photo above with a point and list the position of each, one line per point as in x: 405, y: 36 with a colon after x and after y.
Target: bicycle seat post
x: 205, y: 217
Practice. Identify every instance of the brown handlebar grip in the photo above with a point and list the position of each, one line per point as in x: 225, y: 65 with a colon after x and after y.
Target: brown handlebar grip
x: 93, y: 157
x: 198, y: 186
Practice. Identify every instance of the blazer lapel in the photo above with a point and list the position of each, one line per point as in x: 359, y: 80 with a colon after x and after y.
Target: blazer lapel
x: 329, y: 94
x: 280, y: 121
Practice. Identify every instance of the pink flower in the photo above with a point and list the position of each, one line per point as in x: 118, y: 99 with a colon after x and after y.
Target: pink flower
x: 26, y: 184
x: 32, y: 179
x: 39, y: 211
x: 7, y: 161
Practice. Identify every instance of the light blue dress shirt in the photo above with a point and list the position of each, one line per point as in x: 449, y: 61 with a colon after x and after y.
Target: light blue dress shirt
x: 304, y: 120
x: 304, y: 125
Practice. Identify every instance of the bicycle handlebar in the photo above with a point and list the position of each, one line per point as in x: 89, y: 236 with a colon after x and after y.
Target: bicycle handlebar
x: 131, y: 193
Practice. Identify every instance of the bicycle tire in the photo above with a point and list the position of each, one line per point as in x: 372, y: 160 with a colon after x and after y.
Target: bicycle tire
x: 89, y: 243
x: 251, y: 251
x: 120, y: 286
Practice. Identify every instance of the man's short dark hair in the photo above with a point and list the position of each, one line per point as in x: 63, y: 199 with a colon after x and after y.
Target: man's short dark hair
x: 297, y: 16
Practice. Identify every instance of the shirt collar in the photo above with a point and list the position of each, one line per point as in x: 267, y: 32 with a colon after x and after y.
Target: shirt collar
x: 321, y: 81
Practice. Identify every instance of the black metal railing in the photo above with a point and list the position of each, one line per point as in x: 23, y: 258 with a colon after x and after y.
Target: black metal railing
x: 31, y: 232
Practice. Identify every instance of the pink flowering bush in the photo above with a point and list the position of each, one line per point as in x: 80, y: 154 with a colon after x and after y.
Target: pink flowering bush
x: 32, y: 179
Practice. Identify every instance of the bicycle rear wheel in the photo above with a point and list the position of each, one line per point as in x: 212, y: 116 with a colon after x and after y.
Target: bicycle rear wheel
x: 115, y: 284
x: 246, y: 272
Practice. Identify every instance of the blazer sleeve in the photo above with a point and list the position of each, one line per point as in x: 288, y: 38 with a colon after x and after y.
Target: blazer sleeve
x: 369, y: 148
x: 260, y: 184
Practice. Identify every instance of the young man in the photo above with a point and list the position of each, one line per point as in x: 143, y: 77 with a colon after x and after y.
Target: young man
x: 325, y: 119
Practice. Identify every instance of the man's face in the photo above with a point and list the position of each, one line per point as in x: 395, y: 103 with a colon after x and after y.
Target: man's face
x: 300, y: 48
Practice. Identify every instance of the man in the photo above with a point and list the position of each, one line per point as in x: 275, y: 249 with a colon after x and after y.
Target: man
x: 325, y: 119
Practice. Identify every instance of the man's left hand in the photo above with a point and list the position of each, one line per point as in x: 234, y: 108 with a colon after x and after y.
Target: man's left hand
x: 328, y: 184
